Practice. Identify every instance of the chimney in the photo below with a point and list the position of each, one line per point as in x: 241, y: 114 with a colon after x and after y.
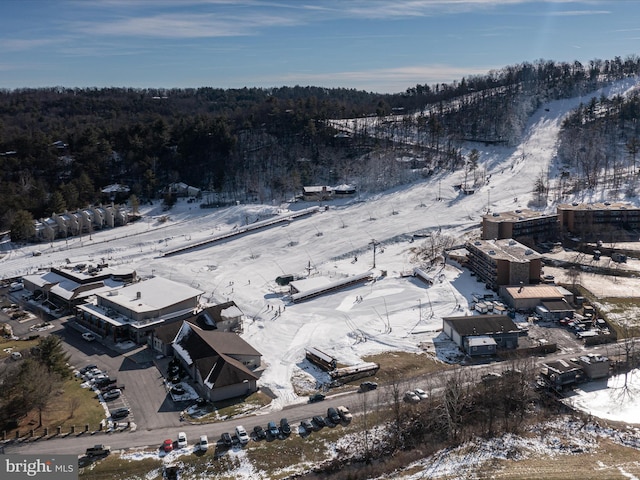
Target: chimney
x: 138, y: 295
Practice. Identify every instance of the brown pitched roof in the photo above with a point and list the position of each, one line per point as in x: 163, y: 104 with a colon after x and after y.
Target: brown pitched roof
x: 166, y: 333
x: 212, y: 352
x: 221, y: 371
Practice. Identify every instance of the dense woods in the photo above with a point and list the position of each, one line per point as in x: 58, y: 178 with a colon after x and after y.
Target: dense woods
x: 60, y: 146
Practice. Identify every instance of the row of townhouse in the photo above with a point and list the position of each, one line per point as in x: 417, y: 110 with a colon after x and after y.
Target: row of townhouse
x: 86, y: 220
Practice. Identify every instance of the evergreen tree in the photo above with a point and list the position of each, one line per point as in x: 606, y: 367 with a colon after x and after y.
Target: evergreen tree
x: 51, y: 355
x: 22, y: 227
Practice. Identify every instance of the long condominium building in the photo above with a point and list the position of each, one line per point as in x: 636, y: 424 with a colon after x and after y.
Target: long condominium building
x: 520, y: 224
x: 504, y: 262
x: 598, y: 219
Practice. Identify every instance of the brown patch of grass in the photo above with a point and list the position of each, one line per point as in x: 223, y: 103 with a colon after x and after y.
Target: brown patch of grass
x: 87, y: 410
x: 234, y: 406
x: 273, y: 457
x: 116, y: 467
x: 394, y: 365
x: 602, y: 464
x: 15, y: 346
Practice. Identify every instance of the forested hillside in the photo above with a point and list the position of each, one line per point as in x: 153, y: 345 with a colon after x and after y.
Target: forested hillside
x: 60, y: 146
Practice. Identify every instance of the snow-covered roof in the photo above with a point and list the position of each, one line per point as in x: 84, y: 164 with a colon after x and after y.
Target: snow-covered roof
x: 152, y: 294
x: 115, y: 188
x: 231, y: 312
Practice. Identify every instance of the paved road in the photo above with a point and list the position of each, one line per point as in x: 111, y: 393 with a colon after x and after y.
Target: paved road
x: 76, y: 444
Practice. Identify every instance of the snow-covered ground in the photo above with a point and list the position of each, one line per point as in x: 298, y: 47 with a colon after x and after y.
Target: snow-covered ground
x: 391, y: 313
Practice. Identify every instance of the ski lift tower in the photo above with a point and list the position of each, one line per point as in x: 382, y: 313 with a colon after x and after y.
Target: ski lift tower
x: 374, y: 244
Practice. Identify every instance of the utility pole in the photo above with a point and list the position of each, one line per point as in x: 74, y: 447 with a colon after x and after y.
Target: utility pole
x: 374, y: 244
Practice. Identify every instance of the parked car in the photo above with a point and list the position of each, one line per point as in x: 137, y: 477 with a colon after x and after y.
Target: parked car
x: 307, y: 426
x: 87, y: 368
x: 367, y: 386
x: 89, y: 337
x: 242, y: 435
x: 167, y: 445
x: 94, y: 372
x: 318, y: 422
x: 272, y: 429
x: 316, y: 397
x: 411, y: 397
x: 98, y: 450
x: 203, y: 443
x: 178, y: 390
x: 182, y: 440
x: 102, y: 380
x: 259, y: 432
x: 285, y: 428
x: 344, y: 413
x: 333, y: 415
x: 111, y: 386
x: 119, y: 413
x: 226, y: 439
x: 111, y: 394
x: 421, y: 393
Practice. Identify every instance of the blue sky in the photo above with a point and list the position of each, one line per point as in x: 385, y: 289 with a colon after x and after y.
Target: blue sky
x: 374, y: 45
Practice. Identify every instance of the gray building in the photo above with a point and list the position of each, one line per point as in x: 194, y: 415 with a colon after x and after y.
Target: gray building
x: 482, y: 334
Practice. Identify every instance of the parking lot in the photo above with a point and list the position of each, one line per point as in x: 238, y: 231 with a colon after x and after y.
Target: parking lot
x: 144, y: 389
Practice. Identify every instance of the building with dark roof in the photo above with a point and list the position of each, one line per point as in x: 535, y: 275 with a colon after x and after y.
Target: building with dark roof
x: 475, y: 334
x: 561, y: 373
x: 222, y: 364
x: 224, y: 317
x: 520, y: 224
x: 600, y: 221
x: 555, y: 310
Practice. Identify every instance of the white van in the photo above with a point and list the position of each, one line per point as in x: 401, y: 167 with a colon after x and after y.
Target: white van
x: 16, y: 287
x: 203, y: 444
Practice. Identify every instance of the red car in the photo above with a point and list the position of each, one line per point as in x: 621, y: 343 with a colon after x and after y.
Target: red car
x: 167, y: 445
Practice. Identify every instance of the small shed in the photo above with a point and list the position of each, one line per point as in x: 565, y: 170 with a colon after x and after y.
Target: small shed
x: 481, y: 345
x: 595, y: 366
x: 561, y: 373
x: 555, y: 310
x: 285, y: 279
